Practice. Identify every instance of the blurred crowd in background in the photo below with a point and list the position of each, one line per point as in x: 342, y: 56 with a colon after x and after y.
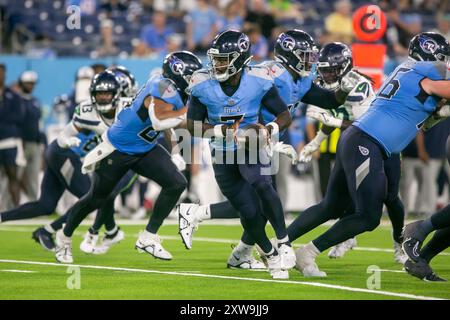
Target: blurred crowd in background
x: 149, y: 29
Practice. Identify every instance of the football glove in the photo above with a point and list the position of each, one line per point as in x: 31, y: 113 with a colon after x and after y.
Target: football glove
x: 324, y: 116
x: 283, y: 148
x: 314, y: 145
x: 70, y: 142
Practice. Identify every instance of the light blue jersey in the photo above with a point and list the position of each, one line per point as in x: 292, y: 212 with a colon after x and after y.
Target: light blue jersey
x: 289, y: 90
x: 244, y: 103
x: 401, y: 106
x: 132, y: 132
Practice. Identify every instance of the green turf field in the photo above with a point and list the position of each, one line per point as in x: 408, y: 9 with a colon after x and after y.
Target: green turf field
x: 29, y: 272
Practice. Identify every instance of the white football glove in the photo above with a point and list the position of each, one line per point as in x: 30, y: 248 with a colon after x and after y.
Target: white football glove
x: 179, y: 161
x: 70, y: 142
x: 314, y: 145
x: 286, y: 149
x: 350, y: 80
x: 324, y: 116
x: 444, y: 111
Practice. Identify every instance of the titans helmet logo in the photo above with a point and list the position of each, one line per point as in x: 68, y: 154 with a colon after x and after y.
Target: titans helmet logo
x: 244, y: 43
x: 428, y: 45
x: 287, y: 42
x: 176, y: 65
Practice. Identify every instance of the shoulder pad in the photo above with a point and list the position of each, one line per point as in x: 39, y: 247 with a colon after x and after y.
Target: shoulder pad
x: 166, y: 89
x: 260, y: 71
x: 198, y: 77
x: 361, y: 92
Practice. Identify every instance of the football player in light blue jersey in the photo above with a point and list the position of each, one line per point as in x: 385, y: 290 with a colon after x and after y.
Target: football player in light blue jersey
x: 222, y: 100
x: 293, y: 75
x: 407, y: 99
x: 130, y: 144
x: 334, y: 59
x: 63, y: 171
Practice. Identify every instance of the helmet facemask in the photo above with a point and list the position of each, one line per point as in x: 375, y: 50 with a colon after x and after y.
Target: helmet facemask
x: 332, y: 75
x: 222, y: 65
x: 307, y: 61
x: 105, y: 100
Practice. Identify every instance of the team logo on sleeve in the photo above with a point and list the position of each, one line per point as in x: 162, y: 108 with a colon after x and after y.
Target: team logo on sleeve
x: 287, y: 42
x: 176, y: 65
x: 244, y: 43
x: 428, y: 45
x: 364, y: 151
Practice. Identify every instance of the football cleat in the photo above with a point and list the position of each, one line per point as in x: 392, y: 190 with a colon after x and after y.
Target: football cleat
x: 243, y: 259
x: 287, y: 254
x: 63, y: 248
x: 89, y: 243
x: 111, y: 240
x: 306, y: 263
x: 422, y: 270
x: 187, y: 222
x: 339, y: 250
x: 44, y: 238
x: 399, y: 254
x: 413, y: 238
x: 152, y: 245
x: 275, y: 269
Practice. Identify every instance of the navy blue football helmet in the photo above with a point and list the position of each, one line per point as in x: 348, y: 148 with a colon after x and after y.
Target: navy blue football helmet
x: 127, y: 81
x: 229, y: 54
x: 296, y: 50
x: 179, y: 67
x: 105, y: 81
x: 335, y: 61
x: 429, y: 46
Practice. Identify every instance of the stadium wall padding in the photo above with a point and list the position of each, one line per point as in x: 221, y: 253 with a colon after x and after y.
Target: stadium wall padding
x: 57, y: 76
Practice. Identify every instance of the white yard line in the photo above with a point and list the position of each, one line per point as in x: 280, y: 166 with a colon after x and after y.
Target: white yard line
x: 201, y: 239
x: 18, y: 271
x: 200, y: 275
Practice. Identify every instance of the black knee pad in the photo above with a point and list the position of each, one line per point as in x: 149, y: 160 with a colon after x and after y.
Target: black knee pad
x: 265, y: 187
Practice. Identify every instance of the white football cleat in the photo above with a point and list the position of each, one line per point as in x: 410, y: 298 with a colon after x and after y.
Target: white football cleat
x: 399, y: 255
x: 339, y: 250
x: 108, y: 242
x: 63, y: 249
x: 275, y: 268
x: 244, y: 259
x: 287, y: 254
x: 89, y: 244
x: 151, y: 244
x: 187, y: 222
x: 306, y: 263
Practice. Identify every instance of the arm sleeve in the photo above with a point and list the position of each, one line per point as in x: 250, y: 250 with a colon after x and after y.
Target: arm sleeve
x: 165, y: 124
x: 321, y: 97
x: 196, y: 110
x: 68, y: 132
x: 273, y: 102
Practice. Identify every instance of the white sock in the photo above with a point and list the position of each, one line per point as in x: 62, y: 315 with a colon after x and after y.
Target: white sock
x: 0, y: 218
x: 270, y: 252
x: 284, y: 240
x: 49, y: 228
x: 203, y: 212
x: 111, y: 232
x: 243, y: 247
x: 149, y: 235
x: 312, y: 248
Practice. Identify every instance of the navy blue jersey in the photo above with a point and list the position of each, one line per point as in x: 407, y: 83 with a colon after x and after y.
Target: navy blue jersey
x: 30, y: 128
x: 132, y: 132
x: 401, y: 106
x: 12, y: 114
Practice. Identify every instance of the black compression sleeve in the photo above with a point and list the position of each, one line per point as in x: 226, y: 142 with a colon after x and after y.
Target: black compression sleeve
x: 196, y: 110
x: 321, y: 97
x: 273, y: 102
